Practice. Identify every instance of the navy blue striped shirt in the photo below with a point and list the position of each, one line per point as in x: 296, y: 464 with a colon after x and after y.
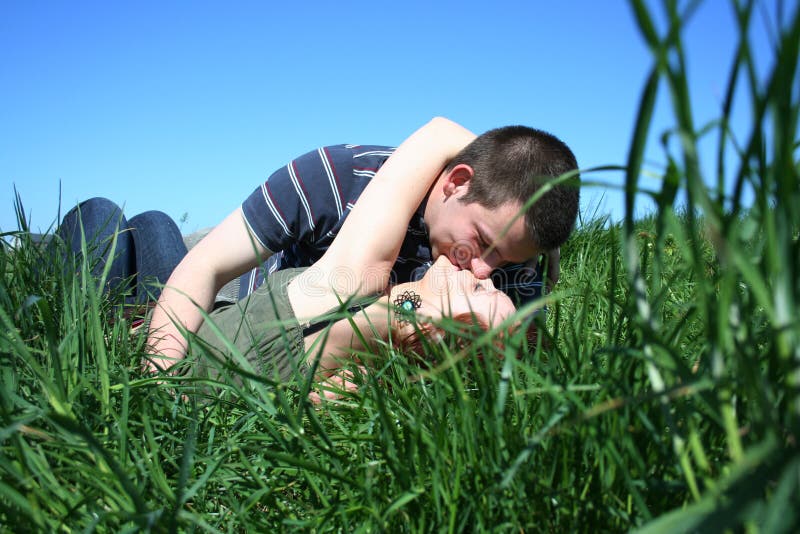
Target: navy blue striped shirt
x: 299, y: 210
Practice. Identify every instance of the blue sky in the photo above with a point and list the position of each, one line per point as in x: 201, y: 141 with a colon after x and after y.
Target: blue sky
x: 186, y: 107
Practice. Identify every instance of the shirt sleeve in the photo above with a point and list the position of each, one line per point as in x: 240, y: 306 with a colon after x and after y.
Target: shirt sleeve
x: 522, y: 282
x: 298, y: 202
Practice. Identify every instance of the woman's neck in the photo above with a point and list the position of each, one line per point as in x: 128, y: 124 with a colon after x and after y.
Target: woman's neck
x: 372, y: 324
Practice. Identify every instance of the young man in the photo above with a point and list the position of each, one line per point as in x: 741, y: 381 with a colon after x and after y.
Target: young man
x: 472, y: 214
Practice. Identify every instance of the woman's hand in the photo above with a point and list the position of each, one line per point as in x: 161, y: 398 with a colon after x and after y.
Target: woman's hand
x: 336, y: 385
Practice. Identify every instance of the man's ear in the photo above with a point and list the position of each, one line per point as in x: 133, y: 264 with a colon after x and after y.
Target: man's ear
x: 456, y: 180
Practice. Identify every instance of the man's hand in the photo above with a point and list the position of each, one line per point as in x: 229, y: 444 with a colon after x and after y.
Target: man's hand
x: 158, y: 362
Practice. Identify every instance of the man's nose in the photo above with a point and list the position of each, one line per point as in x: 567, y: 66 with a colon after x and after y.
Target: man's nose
x: 480, y: 268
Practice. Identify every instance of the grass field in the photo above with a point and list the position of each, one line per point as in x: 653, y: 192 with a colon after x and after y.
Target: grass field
x: 663, y: 394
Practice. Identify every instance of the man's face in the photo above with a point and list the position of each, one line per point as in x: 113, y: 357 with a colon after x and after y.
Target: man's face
x: 475, y: 238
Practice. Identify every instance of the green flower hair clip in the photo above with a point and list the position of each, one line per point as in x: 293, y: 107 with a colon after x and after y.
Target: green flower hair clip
x: 405, y: 305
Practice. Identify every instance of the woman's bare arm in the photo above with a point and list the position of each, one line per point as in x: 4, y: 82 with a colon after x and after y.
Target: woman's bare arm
x: 367, y: 246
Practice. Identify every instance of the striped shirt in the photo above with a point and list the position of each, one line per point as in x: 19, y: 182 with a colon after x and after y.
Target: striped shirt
x: 300, y: 208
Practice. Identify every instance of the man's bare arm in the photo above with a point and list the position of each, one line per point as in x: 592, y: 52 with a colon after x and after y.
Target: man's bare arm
x: 226, y: 252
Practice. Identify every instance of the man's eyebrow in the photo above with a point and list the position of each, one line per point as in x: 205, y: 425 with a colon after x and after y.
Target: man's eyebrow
x: 483, y: 235
x: 491, y: 244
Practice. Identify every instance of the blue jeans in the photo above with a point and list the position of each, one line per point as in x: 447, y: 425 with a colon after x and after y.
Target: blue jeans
x: 149, y: 246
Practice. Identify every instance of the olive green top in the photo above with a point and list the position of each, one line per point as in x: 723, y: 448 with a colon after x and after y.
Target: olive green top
x: 263, y: 329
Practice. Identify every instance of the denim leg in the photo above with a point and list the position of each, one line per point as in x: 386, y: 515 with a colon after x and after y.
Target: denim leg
x: 159, y: 247
x: 100, y: 220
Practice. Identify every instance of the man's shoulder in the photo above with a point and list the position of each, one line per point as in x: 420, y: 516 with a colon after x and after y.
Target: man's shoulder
x: 362, y: 151
x: 342, y: 158
x: 357, y: 150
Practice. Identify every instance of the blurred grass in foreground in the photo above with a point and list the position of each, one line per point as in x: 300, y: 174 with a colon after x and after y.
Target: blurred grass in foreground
x: 663, y: 393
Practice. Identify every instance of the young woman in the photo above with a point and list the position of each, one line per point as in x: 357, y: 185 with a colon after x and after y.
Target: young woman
x: 280, y: 329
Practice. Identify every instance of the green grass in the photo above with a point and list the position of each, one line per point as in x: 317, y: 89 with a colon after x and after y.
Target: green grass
x: 663, y: 394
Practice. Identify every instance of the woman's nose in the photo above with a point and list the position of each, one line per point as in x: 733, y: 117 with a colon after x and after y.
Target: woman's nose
x: 480, y: 268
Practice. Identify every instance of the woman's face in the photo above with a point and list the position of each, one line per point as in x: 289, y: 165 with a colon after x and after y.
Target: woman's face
x: 452, y: 291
